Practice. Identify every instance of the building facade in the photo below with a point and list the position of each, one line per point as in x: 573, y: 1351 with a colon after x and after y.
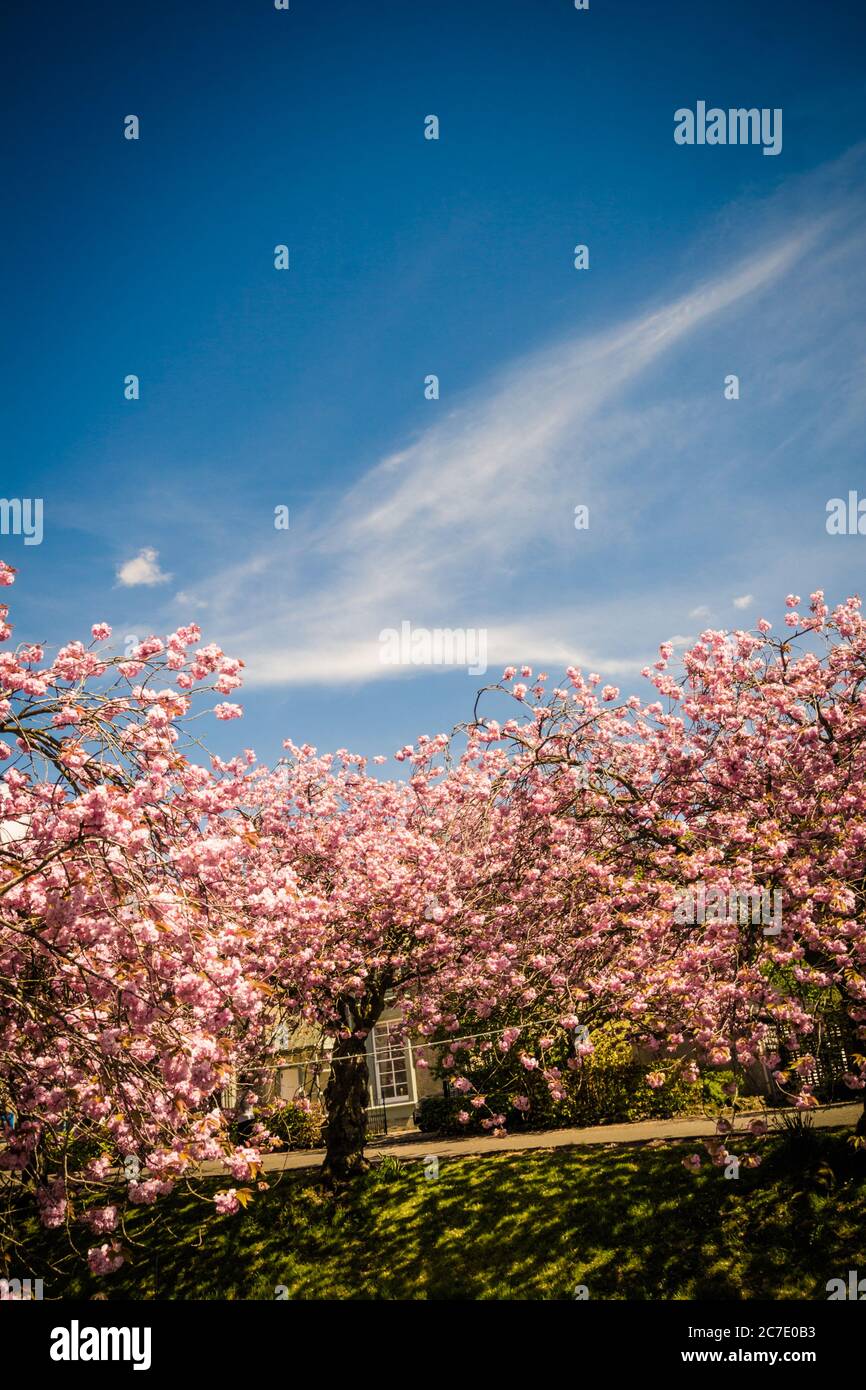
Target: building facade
x: 395, y: 1081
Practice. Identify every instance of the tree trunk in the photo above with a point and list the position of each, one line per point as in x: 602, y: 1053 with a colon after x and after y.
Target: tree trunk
x: 346, y: 1105
x: 861, y: 1123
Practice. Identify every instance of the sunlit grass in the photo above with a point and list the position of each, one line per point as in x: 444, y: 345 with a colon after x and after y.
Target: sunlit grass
x: 627, y: 1222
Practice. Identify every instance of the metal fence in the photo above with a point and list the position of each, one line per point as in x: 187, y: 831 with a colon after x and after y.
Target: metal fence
x: 377, y: 1121
x: 830, y: 1051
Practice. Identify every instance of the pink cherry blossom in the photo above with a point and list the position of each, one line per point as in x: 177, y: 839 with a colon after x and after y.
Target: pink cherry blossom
x: 105, y: 1259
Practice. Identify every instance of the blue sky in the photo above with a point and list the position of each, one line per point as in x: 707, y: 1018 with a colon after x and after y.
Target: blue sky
x: 306, y: 387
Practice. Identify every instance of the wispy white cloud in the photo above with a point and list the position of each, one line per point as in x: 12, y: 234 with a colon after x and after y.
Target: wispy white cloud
x: 470, y: 524
x: 189, y: 601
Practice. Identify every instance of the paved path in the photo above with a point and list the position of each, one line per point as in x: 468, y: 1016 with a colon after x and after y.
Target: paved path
x: 417, y: 1146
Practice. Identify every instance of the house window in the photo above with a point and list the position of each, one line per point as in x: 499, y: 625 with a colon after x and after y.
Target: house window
x: 391, y: 1067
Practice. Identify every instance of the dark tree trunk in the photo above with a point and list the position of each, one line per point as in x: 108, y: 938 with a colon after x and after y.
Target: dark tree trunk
x: 861, y: 1123
x: 346, y: 1105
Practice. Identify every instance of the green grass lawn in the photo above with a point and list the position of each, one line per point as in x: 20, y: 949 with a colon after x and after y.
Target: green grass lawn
x: 627, y: 1221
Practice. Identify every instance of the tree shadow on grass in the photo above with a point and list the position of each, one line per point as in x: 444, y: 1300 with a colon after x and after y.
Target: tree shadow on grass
x: 628, y: 1222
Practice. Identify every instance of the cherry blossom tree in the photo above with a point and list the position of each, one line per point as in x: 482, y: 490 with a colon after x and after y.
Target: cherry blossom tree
x: 406, y: 892
x: 127, y: 997
x: 747, y: 776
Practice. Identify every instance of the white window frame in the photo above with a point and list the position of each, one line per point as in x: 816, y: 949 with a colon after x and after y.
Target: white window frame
x: 376, y: 1100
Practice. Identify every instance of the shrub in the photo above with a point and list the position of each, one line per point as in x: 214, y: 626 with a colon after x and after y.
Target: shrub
x: 438, y: 1115
x: 299, y: 1126
x: 607, y: 1087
